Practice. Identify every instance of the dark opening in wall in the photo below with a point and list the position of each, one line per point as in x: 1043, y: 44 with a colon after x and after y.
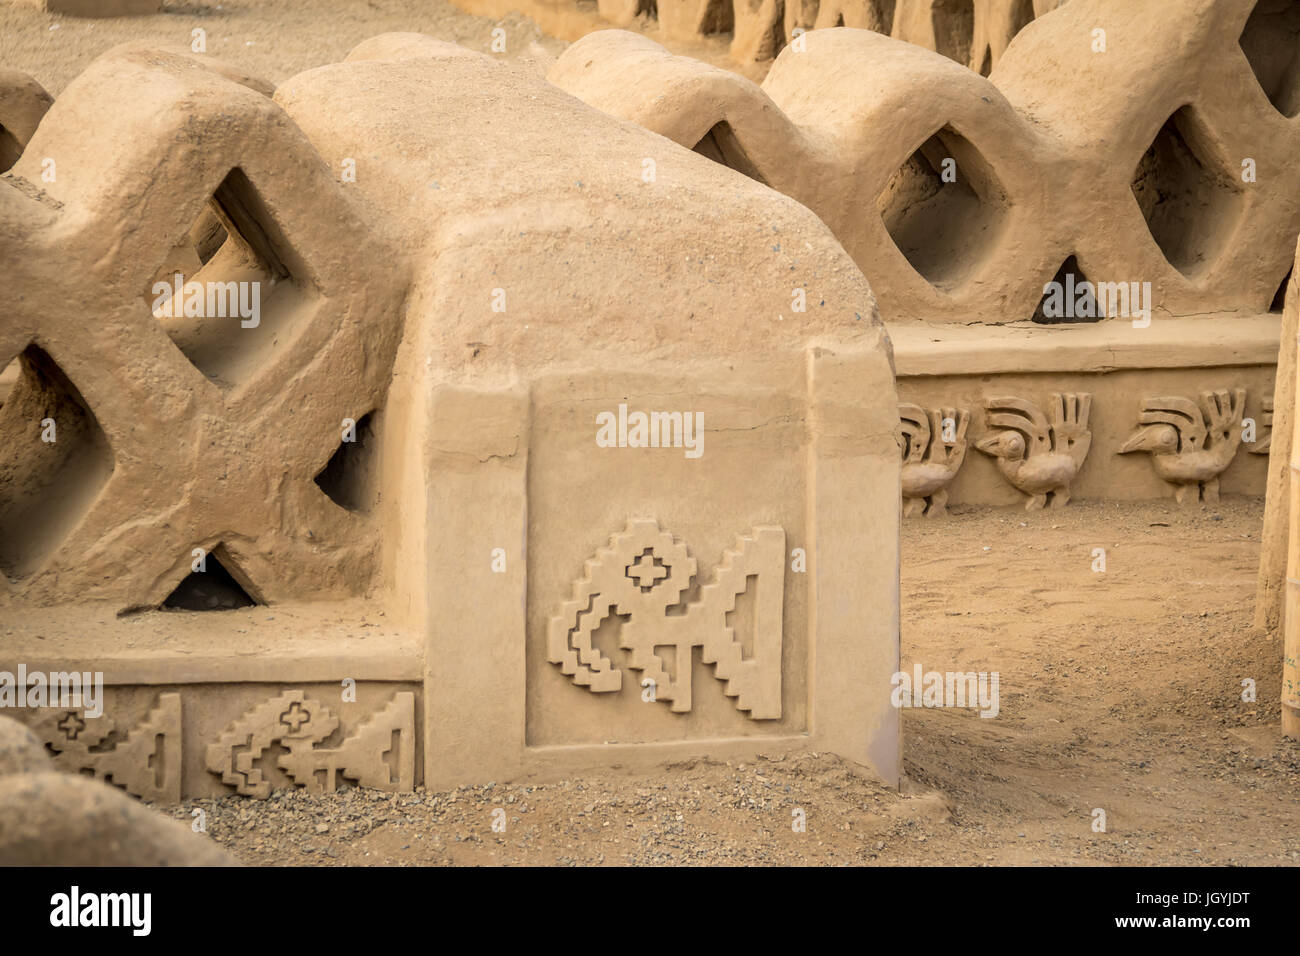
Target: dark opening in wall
x: 1271, y: 42
x: 1021, y: 16
x: 1279, y: 297
x: 54, y: 461
x: 954, y: 28
x: 213, y: 588
x: 881, y: 13
x: 718, y: 17
x: 944, y: 208
x: 9, y: 149
x: 1070, y: 298
x: 720, y: 145
x: 1187, y: 194
x: 348, y: 477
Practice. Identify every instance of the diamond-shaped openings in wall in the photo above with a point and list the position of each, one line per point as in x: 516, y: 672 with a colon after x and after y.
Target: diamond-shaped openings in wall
x: 721, y: 145
x: 1190, y: 193
x: 945, y: 209
x: 233, y: 292
x: 1271, y: 42
x: 54, y: 460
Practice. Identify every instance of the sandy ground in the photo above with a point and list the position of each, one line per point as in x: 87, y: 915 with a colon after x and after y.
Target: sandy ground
x: 273, y: 39
x: 1119, y: 690
x: 276, y: 39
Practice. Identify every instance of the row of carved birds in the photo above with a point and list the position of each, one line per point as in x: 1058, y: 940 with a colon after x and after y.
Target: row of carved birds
x: 1190, y: 444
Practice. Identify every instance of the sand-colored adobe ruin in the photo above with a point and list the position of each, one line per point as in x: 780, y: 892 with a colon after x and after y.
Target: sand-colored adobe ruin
x: 974, y: 33
x: 961, y: 197
x: 472, y: 307
x: 403, y: 445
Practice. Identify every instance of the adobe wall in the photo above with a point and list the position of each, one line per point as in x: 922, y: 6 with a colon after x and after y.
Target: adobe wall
x: 1163, y: 177
x: 473, y: 587
x: 974, y: 33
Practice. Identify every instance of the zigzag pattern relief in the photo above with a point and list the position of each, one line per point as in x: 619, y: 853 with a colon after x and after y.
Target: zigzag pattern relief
x: 1128, y: 142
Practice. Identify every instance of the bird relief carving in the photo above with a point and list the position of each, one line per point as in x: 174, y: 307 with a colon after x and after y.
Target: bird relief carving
x: 1039, y: 454
x: 934, y: 447
x: 1191, y: 443
x: 642, y: 578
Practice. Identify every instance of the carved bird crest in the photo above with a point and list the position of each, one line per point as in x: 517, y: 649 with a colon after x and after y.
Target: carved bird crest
x: 1191, y: 443
x: 934, y: 447
x: 1038, y: 454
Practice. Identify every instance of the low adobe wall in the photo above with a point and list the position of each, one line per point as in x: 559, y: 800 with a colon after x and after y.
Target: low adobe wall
x: 416, y: 482
x: 979, y: 207
x: 974, y: 33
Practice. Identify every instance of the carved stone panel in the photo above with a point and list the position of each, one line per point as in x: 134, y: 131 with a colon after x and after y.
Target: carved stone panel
x: 300, y: 724
x: 146, y: 762
x: 643, y: 577
x: 934, y: 447
x: 1039, y: 454
x: 1191, y: 442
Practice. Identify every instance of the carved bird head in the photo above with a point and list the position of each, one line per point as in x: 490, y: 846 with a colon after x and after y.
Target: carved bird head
x: 1005, y: 444
x: 1155, y: 439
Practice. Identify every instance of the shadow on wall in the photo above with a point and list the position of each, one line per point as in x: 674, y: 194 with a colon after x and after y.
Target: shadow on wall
x: 972, y: 32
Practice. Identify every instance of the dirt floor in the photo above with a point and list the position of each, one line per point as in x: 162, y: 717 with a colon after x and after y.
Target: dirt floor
x: 276, y: 39
x: 1119, y: 690
x: 273, y: 39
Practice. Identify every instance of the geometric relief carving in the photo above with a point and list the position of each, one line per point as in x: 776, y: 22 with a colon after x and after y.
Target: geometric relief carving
x: 298, y: 724
x: 641, y: 579
x: 147, y: 763
x: 1191, y: 444
x: 1038, y: 456
x: 934, y: 447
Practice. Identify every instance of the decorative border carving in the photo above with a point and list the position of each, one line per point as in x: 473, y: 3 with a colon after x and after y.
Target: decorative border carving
x: 299, y: 724
x: 146, y: 763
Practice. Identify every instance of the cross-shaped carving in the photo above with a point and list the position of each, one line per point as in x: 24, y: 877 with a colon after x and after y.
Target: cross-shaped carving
x: 295, y: 717
x: 647, y: 570
x: 71, y: 725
